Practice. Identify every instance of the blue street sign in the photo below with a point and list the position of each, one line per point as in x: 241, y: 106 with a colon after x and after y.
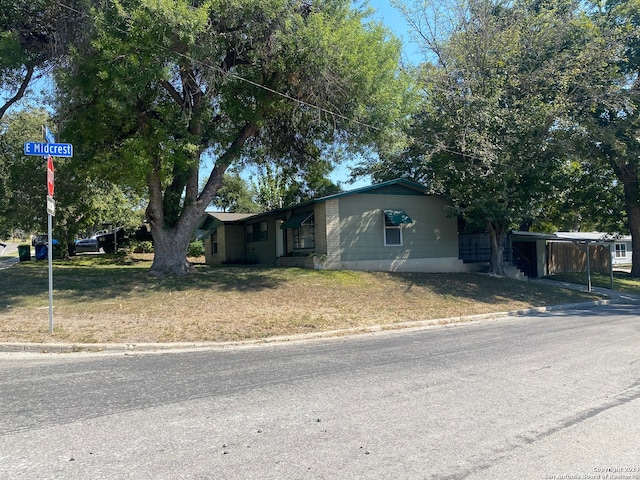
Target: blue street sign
x: 48, y: 136
x: 53, y: 149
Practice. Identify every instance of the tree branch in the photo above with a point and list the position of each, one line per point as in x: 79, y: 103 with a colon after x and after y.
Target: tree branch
x: 20, y: 93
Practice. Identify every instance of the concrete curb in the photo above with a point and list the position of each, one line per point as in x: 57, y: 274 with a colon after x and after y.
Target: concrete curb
x: 129, y: 348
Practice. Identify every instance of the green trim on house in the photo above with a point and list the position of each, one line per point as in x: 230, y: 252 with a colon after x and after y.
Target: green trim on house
x: 397, y: 217
x: 296, y: 220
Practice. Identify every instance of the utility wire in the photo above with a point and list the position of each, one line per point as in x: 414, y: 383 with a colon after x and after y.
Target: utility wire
x: 242, y: 79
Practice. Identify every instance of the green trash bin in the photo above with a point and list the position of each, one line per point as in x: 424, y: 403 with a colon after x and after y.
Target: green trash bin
x: 24, y: 252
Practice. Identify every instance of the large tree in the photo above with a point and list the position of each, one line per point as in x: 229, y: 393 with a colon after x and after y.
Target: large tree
x: 166, y: 84
x: 609, y: 116
x: 497, y: 79
x: 235, y: 195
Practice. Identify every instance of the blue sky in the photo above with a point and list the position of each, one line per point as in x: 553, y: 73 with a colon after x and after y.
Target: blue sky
x: 393, y: 19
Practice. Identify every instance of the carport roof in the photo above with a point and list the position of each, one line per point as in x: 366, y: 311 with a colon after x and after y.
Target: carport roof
x: 575, y: 237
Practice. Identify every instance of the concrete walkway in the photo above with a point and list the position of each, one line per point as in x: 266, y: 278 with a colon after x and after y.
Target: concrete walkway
x: 10, y: 248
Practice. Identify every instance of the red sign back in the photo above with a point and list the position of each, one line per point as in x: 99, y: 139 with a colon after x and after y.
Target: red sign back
x: 50, y: 175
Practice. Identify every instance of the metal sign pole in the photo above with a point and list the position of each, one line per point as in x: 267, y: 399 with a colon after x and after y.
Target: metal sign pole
x: 49, y: 148
x: 50, y: 139
x: 50, y: 255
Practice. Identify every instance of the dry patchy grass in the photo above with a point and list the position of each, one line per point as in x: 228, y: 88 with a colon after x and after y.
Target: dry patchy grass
x: 106, y: 299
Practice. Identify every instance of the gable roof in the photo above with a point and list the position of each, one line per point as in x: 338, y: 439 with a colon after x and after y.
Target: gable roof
x: 387, y: 186
x: 229, y: 217
x: 211, y: 220
x: 398, y: 186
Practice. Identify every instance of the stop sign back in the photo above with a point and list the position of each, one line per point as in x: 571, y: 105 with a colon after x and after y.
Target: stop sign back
x: 50, y: 175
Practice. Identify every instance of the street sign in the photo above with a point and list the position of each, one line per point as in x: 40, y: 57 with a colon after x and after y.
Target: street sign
x: 50, y: 175
x: 48, y: 136
x: 43, y: 149
x: 51, y: 206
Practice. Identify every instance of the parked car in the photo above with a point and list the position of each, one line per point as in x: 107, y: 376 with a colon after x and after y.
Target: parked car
x: 84, y: 245
x: 106, y: 240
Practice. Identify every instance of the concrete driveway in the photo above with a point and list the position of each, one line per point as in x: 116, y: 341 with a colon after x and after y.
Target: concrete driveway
x: 9, y: 249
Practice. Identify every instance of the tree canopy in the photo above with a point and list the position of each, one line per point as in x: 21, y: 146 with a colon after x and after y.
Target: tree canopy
x: 497, y: 87
x: 163, y: 85
x: 82, y: 203
x: 609, y: 120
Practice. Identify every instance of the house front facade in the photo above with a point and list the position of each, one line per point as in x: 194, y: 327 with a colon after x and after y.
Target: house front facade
x: 391, y: 226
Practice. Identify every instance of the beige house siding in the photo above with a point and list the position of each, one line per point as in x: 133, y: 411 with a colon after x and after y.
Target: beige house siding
x: 432, y: 235
x: 230, y: 245
x: 429, y: 244
x: 320, y: 228
x: 333, y: 235
x: 349, y: 233
x: 209, y: 258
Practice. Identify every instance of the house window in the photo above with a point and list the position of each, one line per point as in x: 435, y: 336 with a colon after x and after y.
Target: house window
x: 214, y: 242
x: 393, y: 222
x: 304, y: 235
x: 257, y: 232
x: 621, y: 250
x: 392, y: 235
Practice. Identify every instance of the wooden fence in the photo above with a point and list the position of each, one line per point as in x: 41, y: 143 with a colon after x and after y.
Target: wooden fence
x: 569, y: 257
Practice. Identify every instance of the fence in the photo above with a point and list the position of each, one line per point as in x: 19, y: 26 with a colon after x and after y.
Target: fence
x: 564, y: 257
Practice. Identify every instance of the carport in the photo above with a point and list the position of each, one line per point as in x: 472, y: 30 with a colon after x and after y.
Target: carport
x: 529, y: 246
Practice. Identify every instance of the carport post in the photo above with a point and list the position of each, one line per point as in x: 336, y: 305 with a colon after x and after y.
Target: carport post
x: 612, y: 255
x: 588, y: 269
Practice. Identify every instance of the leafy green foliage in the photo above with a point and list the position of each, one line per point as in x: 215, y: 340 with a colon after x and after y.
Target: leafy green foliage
x: 235, y: 195
x: 196, y: 249
x: 610, y: 115
x: 160, y: 86
x: 82, y: 203
x: 495, y: 95
x: 34, y: 34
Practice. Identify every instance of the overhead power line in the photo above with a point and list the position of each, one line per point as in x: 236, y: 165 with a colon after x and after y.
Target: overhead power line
x: 243, y: 79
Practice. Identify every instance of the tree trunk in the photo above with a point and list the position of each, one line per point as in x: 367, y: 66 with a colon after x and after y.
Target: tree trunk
x: 171, y: 242
x: 633, y: 214
x: 496, y: 240
x: 628, y: 175
x: 170, y: 247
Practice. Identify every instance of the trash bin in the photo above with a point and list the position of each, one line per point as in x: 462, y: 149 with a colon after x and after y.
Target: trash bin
x: 24, y: 252
x: 41, y: 251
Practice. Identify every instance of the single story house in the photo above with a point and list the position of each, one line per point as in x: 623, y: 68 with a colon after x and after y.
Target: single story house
x: 389, y: 226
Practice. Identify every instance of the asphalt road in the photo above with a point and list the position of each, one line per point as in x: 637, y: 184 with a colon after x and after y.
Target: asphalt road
x: 554, y: 395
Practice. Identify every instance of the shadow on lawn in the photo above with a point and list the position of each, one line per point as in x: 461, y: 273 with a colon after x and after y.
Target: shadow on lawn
x: 105, y: 279
x: 488, y: 289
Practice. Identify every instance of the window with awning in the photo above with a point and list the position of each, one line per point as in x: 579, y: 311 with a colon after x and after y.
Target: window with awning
x: 297, y: 220
x: 303, y: 230
x: 394, y: 219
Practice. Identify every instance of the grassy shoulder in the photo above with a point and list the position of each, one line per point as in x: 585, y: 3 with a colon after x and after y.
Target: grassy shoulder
x: 622, y: 282
x: 107, y: 299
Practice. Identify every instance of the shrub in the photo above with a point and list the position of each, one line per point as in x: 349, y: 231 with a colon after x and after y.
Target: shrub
x: 196, y: 249
x: 146, y: 246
